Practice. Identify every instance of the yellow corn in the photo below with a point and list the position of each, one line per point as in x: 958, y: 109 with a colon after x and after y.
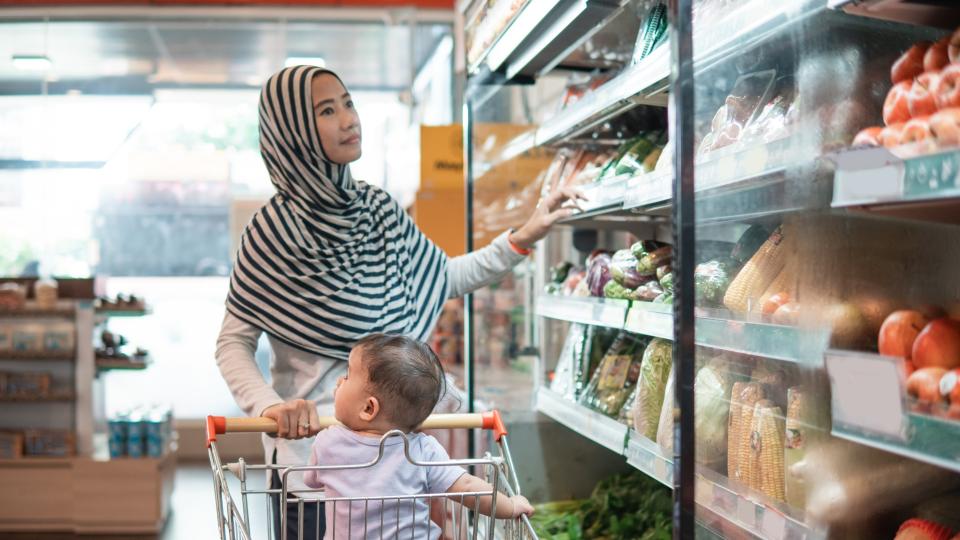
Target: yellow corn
x: 785, y: 282
x: 759, y: 272
x: 768, y: 456
x: 749, y: 396
x: 733, y: 430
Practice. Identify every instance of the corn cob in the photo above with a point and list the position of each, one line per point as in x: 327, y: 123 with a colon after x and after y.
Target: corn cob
x: 749, y: 396
x: 759, y: 272
x: 733, y: 430
x: 785, y: 282
x: 768, y: 476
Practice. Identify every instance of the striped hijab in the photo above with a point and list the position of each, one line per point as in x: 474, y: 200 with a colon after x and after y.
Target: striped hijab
x: 328, y: 259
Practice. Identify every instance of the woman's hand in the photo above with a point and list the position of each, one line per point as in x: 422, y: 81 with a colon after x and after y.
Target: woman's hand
x: 295, y: 419
x: 558, y: 205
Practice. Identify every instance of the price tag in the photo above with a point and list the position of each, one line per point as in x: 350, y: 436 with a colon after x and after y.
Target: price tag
x: 773, y: 525
x: 746, y: 512
x: 867, y: 392
x: 865, y: 176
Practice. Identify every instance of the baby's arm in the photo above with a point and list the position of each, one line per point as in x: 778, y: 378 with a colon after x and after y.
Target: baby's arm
x: 507, y: 507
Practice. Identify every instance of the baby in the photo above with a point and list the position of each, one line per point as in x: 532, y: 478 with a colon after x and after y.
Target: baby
x: 392, y: 382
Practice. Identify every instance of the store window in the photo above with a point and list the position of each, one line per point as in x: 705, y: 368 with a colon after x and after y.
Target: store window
x: 152, y: 190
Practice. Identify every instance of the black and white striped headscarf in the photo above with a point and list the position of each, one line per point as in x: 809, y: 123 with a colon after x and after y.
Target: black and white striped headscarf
x: 328, y: 259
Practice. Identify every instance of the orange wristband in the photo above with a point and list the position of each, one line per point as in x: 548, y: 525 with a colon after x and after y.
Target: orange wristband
x: 517, y: 249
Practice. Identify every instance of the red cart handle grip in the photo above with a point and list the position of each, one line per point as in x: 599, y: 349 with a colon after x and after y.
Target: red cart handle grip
x: 218, y: 425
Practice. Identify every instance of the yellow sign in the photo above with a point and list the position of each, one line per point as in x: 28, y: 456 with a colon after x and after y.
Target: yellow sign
x: 441, y: 157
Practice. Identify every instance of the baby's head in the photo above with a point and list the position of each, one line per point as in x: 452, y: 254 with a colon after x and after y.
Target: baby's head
x: 392, y: 382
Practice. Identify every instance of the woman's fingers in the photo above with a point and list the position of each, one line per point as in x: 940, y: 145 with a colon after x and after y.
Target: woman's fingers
x: 314, y: 420
x: 562, y: 213
x: 281, y: 418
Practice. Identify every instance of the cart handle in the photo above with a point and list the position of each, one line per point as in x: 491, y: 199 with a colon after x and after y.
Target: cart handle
x: 218, y: 425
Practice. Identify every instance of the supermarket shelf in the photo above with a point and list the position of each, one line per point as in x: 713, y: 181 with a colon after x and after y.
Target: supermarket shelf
x: 56, y: 356
x: 923, y: 13
x: 874, y: 179
x: 56, y: 397
x: 541, y: 35
x: 750, y: 511
x: 600, y: 429
x: 105, y: 363
x: 122, y: 312
x: 593, y: 311
x: 714, y: 328
x: 35, y: 313
x: 888, y: 420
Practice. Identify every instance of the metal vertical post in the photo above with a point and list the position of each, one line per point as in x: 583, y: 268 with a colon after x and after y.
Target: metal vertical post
x: 468, y: 348
x: 681, y: 113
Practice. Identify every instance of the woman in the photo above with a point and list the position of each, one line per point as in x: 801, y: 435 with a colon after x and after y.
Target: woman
x: 330, y: 259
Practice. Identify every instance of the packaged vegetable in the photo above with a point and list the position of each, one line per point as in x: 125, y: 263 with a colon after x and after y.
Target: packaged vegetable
x: 571, y: 355
x: 710, y: 282
x: 598, y: 273
x: 625, y: 416
x: 560, y: 271
x: 651, y: 260
x: 623, y: 269
x: 759, y: 272
x: 711, y: 389
x: 665, y: 298
x: 649, y: 291
x: 665, y: 424
x: 663, y: 271
x: 598, y: 341
x: 654, y: 370
x: 666, y: 281
x: 573, y: 279
x: 766, y: 450
x: 749, y: 242
x: 616, y: 376
x: 617, y: 291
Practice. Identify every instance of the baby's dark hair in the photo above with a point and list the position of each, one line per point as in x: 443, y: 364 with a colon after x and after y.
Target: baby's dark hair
x: 405, y: 375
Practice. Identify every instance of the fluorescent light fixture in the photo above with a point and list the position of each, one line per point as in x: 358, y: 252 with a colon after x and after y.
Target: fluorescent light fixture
x: 305, y: 61
x: 32, y: 62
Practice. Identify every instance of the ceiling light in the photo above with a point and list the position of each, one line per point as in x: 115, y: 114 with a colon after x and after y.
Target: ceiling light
x: 305, y: 61
x: 32, y: 62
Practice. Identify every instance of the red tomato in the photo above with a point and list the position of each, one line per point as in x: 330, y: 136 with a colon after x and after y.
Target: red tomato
x: 946, y: 126
x: 936, y: 56
x: 916, y: 130
x: 924, y: 384
x: 896, y: 108
x: 910, y: 63
x: 890, y: 135
x: 947, y: 90
x: 922, y: 98
x: 774, y: 302
x: 868, y: 137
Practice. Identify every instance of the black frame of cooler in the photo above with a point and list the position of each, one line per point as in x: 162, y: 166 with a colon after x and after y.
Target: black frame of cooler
x: 681, y: 126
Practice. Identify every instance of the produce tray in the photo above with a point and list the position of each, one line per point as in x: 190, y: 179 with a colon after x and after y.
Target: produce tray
x: 883, y: 418
x: 30, y: 312
x: 646, y: 456
x: 55, y: 356
x: 600, y: 429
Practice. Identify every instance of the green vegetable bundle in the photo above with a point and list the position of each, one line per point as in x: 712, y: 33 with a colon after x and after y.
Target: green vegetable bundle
x: 624, y: 507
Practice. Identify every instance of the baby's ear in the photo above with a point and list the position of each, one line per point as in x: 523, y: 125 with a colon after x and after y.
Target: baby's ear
x: 371, y: 408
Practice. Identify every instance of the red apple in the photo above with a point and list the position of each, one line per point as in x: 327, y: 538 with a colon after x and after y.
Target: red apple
x: 950, y: 386
x: 910, y: 63
x: 947, y: 89
x: 924, y: 384
x: 916, y: 130
x: 938, y: 345
x: 922, y: 97
x: 868, y: 137
x: 908, y: 368
x: 896, y: 107
x: 890, y: 135
x: 945, y: 125
x: 899, y: 331
x: 936, y: 56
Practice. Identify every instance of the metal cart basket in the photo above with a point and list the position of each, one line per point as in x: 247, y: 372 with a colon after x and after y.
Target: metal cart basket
x: 456, y: 516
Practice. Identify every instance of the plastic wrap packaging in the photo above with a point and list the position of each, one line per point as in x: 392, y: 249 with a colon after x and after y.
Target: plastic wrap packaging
x: 654, y: 372
x: 711, y: 389
x: 598, y: 273
x: 623, y: 269
x: 747, y: 97
x: 665, y: 424
x: 563, y: 382
x: 711, y: 280
x: 615, y: 377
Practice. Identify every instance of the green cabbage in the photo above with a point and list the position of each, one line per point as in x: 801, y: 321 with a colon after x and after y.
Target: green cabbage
x: 654, y: 370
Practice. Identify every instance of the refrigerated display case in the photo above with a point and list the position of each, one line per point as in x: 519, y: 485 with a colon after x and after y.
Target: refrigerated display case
x: 797, y: 261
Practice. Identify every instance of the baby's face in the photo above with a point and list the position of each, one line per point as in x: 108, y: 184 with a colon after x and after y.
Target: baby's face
x: 351, y: 395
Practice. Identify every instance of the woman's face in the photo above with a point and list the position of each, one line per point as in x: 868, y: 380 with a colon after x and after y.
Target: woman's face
x: 337, y: 121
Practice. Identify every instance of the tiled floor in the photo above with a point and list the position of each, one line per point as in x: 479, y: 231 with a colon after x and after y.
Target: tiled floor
x: 193, y: 516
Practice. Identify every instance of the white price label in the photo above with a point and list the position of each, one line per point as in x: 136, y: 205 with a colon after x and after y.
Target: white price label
x: 865, y: 176
x: 866, y: 392
x: 746, y: 512
x: 773, y: 525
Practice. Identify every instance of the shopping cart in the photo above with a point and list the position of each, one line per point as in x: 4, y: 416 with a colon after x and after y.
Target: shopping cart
x: 456, y: 517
